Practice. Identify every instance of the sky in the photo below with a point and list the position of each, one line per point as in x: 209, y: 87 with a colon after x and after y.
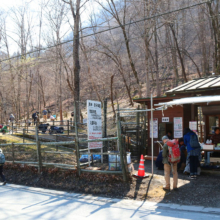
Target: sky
x: 7, y: 5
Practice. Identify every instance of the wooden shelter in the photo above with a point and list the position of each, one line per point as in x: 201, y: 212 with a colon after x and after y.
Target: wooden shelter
x: 195, y: 104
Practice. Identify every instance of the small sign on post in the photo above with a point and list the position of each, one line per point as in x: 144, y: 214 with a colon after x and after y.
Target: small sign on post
x: 165, y: 119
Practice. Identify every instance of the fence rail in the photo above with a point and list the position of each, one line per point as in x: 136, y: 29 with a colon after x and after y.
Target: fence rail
x: 73, y: 131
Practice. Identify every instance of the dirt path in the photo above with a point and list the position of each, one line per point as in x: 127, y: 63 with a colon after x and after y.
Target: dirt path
x: 203, y: 191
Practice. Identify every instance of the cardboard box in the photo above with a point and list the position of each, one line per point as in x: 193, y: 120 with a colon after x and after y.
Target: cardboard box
x: 208, y: 147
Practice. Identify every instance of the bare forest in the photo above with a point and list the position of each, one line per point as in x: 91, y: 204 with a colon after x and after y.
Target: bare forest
x: 55, y: 52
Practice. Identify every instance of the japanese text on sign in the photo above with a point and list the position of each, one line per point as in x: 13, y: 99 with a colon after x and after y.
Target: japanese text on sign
x: 94, y: 123
x: 178, y: 127
x: 165, y: 119
x: 155, y: 128
x: 193, y: 125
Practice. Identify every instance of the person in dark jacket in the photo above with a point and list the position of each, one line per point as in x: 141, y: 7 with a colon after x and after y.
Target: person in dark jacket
x: 169, y: 135
x: 159, y: 161
x: 193, y: 154
x: 216, y: 137
x: 35, y: 116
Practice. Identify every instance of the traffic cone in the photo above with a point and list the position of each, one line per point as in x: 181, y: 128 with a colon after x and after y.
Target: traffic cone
x: 141, y: 170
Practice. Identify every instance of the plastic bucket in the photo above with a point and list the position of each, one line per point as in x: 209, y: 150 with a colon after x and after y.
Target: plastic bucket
x: 114, y: 161
x: 128, y: 157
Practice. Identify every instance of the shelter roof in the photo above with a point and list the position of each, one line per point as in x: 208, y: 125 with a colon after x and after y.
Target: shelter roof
x: 191, y: 100
x: 197, y: 85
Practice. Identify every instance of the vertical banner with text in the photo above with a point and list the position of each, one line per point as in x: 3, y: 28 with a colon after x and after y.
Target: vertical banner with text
x: 178, y: 127
x: 155, y: 128
x: 94, y: 123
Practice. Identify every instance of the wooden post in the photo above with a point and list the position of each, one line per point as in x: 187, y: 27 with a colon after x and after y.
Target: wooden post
x: 38, y: 150
x: 68, y: 127
x: 102, y: 154
x: 23, y: 134
x: 36, y: 133
x: 77, y: 142
x: 56, y: 145
x: 120, y: 146
x: 39, y: 157
x: 13, y: 152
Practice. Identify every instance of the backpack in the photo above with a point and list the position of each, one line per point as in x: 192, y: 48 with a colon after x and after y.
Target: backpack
x: 2, y: 158
x: 34, y: 115
x: 174, y: 151
x: 194, y: 143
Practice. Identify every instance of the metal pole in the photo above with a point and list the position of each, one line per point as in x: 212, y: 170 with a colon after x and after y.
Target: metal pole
x: 152, y: 133
x: 137, y: 131
x: 145, y: 121
x: 104, y: 135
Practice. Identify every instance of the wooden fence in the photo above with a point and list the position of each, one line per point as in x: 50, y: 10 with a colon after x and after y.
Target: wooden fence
x: 75, y: 151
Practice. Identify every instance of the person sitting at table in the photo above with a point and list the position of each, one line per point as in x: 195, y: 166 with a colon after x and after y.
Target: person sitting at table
x: 216, y: 137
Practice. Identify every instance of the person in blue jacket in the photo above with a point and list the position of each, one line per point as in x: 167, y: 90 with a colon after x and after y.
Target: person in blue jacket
x: 159, y: 161
x: 193, y: 154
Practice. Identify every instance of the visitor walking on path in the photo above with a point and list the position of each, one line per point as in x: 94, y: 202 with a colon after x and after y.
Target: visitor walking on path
x: 168, y: 166
x: 193, y: 151
x: 2, y: 161
x: 12, y: 118
x: 45, y: 114
x: 35, y: 116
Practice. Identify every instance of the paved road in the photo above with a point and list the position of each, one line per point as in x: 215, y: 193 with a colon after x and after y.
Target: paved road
x: 24, y: 203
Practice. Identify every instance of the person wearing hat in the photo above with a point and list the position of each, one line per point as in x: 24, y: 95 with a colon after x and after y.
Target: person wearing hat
x: 168, y: 167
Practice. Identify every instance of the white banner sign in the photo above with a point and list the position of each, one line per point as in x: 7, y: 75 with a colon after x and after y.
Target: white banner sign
x: 94, y: 123
x: 178, y: 127
x: 155, y: 129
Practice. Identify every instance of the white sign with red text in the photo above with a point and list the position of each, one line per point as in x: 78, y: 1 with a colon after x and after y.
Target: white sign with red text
x: 94, y: 123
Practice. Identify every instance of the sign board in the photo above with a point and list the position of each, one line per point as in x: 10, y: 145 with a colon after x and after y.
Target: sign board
x: 155, y: 129
x: 165, y: 119
x: 178, y: 127
x: 94, y: 123
x: 193, y: 125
